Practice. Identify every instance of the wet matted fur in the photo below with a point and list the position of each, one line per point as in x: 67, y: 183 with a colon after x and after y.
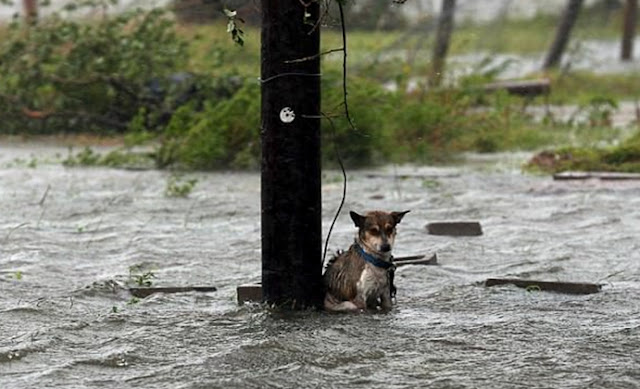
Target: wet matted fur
x: 362, y: 277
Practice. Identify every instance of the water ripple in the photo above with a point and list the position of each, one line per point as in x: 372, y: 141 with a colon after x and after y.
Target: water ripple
x: 68, y: 320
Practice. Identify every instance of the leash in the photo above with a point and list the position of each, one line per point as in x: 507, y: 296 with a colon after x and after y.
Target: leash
x: 344, y: 187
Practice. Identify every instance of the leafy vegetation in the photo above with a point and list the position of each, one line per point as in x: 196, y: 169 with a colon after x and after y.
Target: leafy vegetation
x: 177, y: 186
x: 621, y: 158
x: 115, y: 158
x: 139, y: 275
x: 60, y: 74
x: 188, y: 94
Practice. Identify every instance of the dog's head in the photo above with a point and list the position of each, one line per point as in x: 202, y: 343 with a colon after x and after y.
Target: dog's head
x: 377, y: 230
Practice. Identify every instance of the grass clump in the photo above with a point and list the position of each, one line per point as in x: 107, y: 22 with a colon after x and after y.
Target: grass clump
x: 141, y: 276
x: 62, y: 74
x: 178, y: 186
x: 621, y: 158
x: 118, y: 158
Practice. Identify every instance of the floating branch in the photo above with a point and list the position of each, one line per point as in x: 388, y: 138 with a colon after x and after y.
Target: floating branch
x: 560, y: 287
x: 145, y: 292
x: 412, y: 176
x: 529, y: 88
x: 571, y: 175
x: 416, y: 260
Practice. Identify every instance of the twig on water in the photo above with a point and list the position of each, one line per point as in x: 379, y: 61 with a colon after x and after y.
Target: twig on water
x: 41, y: 204
x: 44, y: 196
x: 6, y: 238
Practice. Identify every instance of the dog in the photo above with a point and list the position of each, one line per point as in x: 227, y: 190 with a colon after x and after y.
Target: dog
x: 362, y: 277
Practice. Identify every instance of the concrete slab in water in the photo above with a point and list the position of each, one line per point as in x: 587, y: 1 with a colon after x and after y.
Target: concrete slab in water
x: 249, y: 293
x: 458, y: 228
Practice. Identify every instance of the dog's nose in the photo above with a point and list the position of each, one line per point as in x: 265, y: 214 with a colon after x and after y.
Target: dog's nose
x: 385, y: 247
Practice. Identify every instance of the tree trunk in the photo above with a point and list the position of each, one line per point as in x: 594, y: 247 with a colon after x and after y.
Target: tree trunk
x: 290, y: 133
x: 443, y: 37
x: 629, y: 29
x: 30, y: 8
x: 567, y: 21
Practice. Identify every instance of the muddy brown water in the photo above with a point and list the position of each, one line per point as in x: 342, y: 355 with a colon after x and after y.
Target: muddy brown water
x: 65, y: 321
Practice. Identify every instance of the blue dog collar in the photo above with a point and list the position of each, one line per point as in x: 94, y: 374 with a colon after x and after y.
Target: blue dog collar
x: 373, y: 260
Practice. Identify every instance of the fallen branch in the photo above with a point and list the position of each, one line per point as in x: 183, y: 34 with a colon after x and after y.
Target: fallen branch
x: 416, y: 260
x: 412, y: 176
x: 145, y: 292
x: 521, y: 88
x: 560, y: 287
x: 573, y: 175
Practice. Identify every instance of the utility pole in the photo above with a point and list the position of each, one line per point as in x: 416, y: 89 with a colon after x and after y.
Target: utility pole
x: 290, y: 134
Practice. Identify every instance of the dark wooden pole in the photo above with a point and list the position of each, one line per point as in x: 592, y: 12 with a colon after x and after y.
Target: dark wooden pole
x: 290, y: 133
x: 443, y: 37
x: 629, y: 29
x: 559, y: 44
x: 30, y: 8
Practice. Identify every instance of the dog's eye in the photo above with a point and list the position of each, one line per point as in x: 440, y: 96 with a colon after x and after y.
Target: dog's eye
x: 389, y: 231
x: 374, y: 231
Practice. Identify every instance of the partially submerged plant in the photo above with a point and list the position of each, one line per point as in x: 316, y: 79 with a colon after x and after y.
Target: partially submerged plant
x: 179, y: 187
x: 141, y: 276
x: 533, y: 288
x: 86, y: 157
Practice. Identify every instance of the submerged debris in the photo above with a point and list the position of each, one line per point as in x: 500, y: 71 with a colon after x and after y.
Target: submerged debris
x: 560, y: 287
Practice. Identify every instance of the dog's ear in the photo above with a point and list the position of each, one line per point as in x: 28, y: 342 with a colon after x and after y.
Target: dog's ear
x: 357, y: 219
x: 397, y: 216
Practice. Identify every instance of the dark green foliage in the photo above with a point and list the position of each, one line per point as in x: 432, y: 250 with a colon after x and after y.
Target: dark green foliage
x: 425, y: 126
x: 223, y: 134
x: 60, y: 74
x: 178, y: 186
x: 140, y: 276
x: 622, y: 158
x: 370, y: 107
x: 132, y: 73
x: 625, y: 154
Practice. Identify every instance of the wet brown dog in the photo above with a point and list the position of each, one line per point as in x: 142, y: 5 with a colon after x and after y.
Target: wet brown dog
x: 361, y: 277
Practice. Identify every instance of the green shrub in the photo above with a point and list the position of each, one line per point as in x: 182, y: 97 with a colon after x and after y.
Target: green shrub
x: 178, y: 186
x: 622, y: 158
x: 222, y: 135
x: 60, y: 74
x: 370, y: 108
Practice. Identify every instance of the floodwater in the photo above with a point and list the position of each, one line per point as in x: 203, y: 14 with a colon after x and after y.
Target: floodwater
x: 69, y: 235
